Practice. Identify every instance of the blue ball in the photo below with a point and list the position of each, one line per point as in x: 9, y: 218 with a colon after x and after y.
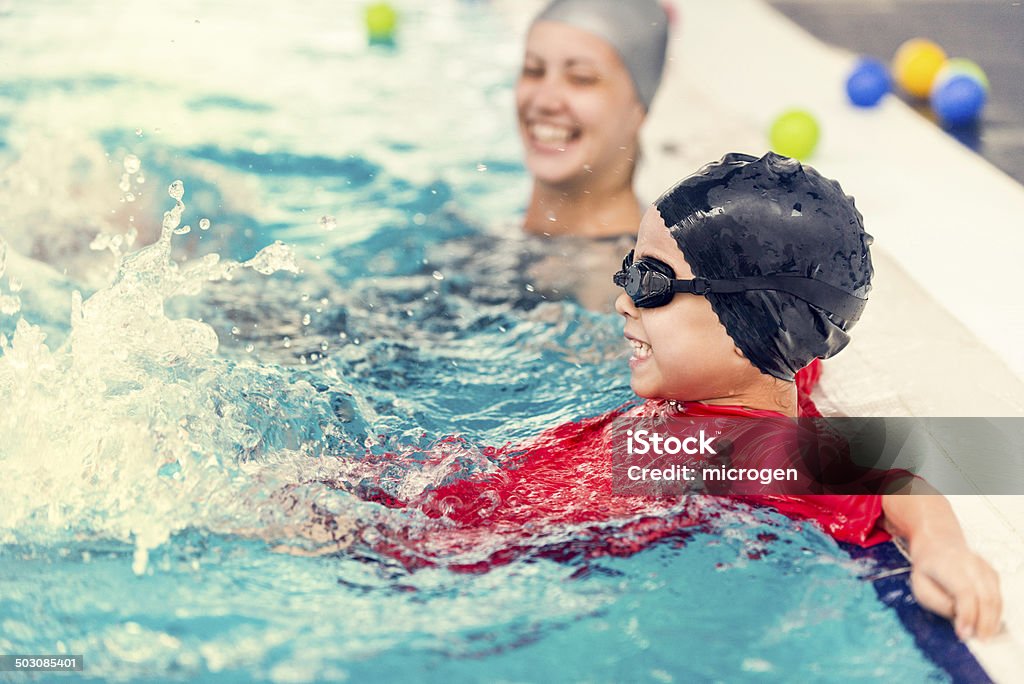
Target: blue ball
x: 868, y: 82
x: 959, y: 100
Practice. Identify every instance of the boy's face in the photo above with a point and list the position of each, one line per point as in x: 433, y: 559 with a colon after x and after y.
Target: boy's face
x: 681, y: 349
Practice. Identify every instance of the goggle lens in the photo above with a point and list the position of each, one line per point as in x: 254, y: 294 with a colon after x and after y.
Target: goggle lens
x: 648, y: 282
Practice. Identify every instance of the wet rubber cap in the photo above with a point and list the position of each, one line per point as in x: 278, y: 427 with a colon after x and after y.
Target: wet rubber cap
x: 742, y: 217
x: 637, y: 29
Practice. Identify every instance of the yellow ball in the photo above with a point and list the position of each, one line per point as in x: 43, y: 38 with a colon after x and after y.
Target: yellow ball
x: 916, y: 64
x: 795, y: 134
x: 381, y: 20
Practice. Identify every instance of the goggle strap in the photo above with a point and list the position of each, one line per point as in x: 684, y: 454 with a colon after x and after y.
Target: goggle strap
x: 815, y: 292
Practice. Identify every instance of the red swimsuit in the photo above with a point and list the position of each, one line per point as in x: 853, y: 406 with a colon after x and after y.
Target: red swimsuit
x: 556, y: 491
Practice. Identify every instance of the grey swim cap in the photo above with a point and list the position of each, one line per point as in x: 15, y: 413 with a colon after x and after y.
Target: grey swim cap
x: 637, y: 29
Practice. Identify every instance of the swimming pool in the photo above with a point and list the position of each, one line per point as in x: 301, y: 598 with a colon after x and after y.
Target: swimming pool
x: 142, y: 446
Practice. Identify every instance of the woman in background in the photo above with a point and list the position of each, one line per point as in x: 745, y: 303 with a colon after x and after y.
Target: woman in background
x: 590, y: 71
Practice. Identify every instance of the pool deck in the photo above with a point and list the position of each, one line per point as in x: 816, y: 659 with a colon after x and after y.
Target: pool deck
x: 985, y: 31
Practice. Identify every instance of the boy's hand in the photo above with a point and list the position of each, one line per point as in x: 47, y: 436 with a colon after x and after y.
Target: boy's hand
x: 953, y: 581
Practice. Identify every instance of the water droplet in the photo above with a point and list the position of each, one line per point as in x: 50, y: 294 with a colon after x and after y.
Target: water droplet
x: 235, y: 330
x: 249, y: 347
x: 140, y: 179
x: 176, y: 190
x: 138, y: 132
x: 132, y: 163
x: 324, y: 345
x: 287, y: 342
x: 184, y: 230
x: 139, y: 561
x: 481, y: 167
x: 306, y: 319
x: 9, y: 305
x: 126, y: 184
x: 530, y: 288
x: 328, y: 223
x: 275, y: 257
x: 419, y: 219
x: 552, y: 217
x: 129, y: 197
x: 204, y: 224
x: 305, y: 297
x: 438, y: 275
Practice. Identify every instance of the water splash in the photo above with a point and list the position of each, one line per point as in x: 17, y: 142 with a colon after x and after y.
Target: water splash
x: 133, y: 428
x: 9, y: 304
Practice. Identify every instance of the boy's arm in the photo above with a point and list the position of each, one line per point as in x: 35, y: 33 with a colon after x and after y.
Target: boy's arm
x: 947, y: 577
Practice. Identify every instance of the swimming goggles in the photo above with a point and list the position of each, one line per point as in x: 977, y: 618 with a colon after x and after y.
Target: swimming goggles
x: 652, y: 283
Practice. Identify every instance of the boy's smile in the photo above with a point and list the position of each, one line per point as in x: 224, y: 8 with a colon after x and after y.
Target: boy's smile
x: 641, y: 351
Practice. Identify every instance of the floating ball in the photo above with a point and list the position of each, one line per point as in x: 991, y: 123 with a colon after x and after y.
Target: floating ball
x: 915, y: 66
x: 381, y: 20
x: 959, y: 99
x: 959, y: 65
x: 868, y: 82
x: 794, y: 134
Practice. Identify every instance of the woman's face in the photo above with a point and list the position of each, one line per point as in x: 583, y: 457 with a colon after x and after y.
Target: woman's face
x: 681, y: 350
x: 579, y: 116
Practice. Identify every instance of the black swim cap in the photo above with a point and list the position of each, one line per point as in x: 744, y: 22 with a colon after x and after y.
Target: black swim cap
x: 742, y: 217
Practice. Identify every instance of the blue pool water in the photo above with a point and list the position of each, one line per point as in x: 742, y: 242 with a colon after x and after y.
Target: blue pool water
x: 359, y: 290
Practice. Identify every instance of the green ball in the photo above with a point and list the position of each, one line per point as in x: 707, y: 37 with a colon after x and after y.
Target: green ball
x: 381, y: 20
x: 960, y: 65
x: 795, y: 134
